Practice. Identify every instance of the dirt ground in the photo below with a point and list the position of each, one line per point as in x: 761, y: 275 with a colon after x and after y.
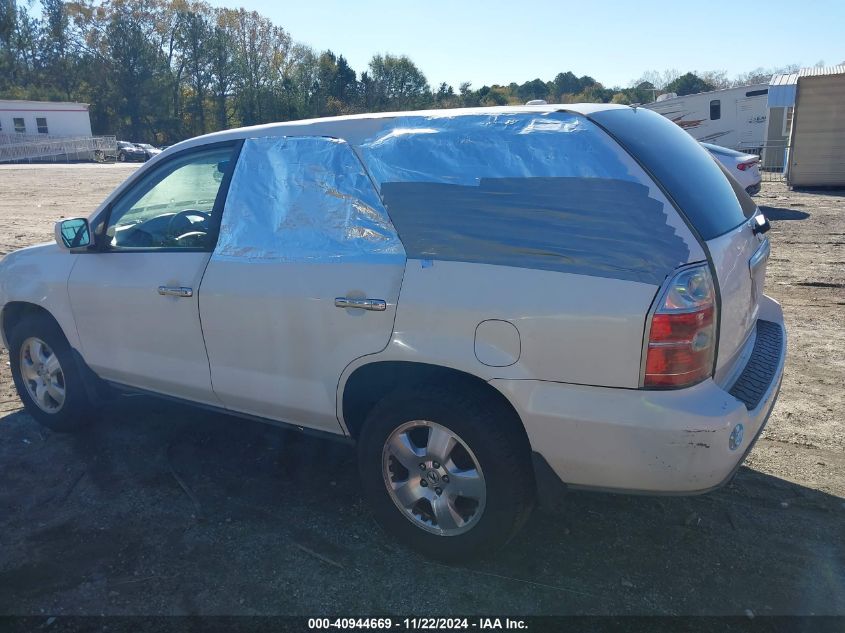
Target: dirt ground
x: 160, y: 509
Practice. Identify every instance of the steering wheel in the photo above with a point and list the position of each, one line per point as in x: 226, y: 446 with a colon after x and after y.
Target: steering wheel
x: 188, y: 229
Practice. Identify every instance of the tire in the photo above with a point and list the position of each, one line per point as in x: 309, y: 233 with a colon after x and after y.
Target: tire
x: 121, y: 157
x: 75, y: 410
x: 488, y: 441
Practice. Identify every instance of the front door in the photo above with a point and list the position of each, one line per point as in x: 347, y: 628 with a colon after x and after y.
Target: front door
x: 304, y: 279
x: 135, y: 299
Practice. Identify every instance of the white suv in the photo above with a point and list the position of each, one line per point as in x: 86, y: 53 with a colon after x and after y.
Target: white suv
x: 490, y: 302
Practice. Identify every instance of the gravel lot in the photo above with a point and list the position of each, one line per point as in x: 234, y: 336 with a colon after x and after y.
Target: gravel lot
x: 159, y: 509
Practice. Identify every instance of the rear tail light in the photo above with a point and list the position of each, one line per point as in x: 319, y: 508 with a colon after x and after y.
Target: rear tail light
x: 747, y: 164
x: 682, y: 334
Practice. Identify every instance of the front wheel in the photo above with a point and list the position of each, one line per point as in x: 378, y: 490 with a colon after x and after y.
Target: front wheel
x: 47, y: 376
x: 446, y: 472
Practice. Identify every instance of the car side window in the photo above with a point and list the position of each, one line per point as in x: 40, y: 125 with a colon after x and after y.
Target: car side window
x: 304, y: 199
x: 173, y: 206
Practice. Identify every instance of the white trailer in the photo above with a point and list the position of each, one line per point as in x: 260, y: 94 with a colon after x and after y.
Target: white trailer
x: 52, y: 118
x: 733, y: 118
x: 49, y: 130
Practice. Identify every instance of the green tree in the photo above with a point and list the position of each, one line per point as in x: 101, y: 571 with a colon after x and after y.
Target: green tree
x: 137, y: 75
x: 195, y: 41
x: 534, y: 89
x: 445, y: 96
x: 688, y: 84
x: 345, y: 86
x: 336, y: 84
x: 260, y: 50
x: 643, y: 92
x: 398, y: 84
x: 58, y: 60
x: 566, y: 84
x: 469, y: 97
x: 221, y: 62
x: 20, y: 47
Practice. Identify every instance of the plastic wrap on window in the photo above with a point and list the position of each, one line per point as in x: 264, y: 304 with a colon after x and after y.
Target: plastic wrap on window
x: 466, y: 149
x: 547, y: 191
x: 303, y: 199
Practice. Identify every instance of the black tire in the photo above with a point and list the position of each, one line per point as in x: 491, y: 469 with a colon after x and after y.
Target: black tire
x: 121, y: 157
x: 490, y: 430
x: 76, y: 411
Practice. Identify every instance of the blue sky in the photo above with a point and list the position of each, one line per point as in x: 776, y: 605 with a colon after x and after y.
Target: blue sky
x: 613, y: 41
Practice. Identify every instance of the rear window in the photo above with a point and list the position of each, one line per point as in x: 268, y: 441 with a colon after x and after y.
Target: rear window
x: 684, y: 168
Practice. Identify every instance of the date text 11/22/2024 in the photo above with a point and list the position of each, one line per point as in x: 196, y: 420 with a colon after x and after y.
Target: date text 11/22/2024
x: 417, y: 624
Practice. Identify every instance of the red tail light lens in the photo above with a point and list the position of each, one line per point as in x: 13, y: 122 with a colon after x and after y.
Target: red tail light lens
x: 747, y: 165
x: 682, y: 335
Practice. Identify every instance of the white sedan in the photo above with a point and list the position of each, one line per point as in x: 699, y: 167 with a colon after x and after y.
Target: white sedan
x: 744, y: 167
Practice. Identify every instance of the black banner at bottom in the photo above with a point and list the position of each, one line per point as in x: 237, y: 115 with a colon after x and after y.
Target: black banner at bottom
x: 371, y: 624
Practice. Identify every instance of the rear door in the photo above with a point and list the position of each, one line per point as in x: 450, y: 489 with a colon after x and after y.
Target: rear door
x: 740, y: 260
x: 304, y: 279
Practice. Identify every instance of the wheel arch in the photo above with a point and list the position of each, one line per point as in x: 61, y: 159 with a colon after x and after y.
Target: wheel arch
x: 370, y: 382
x: 16, y: 311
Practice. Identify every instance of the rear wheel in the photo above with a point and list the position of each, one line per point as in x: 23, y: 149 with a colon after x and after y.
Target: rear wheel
x: 446, y: 472
x: 46, y: 375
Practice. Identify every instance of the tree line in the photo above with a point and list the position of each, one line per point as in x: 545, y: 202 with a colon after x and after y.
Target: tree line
x: 163, y: 70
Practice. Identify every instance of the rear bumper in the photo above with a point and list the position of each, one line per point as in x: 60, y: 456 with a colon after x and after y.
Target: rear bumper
x: 656, y: 442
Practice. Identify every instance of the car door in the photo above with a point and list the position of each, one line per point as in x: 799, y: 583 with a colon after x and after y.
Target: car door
x: 134, y: 298
x: 304, y: 279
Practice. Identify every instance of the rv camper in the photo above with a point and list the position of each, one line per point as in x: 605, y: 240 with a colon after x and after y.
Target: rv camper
x: 733, y: 118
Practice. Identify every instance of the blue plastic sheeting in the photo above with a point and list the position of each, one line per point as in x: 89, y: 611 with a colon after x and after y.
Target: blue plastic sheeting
x: 304, y: 199
x: 464, y: 149
x: 546, y: 191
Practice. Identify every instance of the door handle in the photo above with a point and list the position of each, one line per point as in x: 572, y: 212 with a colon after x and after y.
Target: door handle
x: 376, y: 305
x: 175, y: 291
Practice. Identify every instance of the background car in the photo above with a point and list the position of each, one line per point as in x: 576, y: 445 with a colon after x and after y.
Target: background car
x: 127, y: 151
x: 149, y: 150
x: 744, y: 167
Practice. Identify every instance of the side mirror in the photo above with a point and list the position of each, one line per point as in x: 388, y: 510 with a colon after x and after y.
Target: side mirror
x: 73, y: 234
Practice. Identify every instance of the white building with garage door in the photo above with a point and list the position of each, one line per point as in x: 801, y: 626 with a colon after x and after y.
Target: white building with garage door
x: 53, y: 118
x: 806, y: 112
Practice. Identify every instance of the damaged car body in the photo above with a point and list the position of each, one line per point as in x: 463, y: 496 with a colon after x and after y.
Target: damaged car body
x: 492, y: 303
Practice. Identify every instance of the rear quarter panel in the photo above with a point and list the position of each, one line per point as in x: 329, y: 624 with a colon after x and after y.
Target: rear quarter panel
x: 572, y: 328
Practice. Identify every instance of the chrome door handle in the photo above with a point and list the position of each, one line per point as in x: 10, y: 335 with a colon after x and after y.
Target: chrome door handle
x: 376, y: 305
x: 175, y: 291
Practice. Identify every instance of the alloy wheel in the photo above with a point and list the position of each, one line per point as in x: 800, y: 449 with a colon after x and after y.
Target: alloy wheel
x: 434, y: 478
x: 42, y: 374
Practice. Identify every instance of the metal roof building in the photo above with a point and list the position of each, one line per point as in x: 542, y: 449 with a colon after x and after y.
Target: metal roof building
x: 817, y: 136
